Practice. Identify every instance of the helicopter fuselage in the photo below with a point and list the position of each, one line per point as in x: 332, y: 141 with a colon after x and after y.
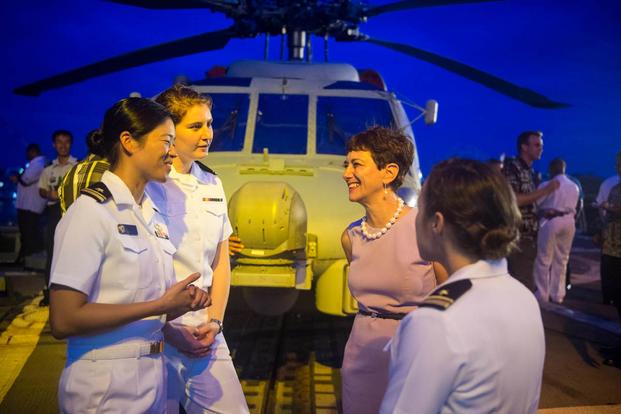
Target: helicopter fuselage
x: 279, y: 148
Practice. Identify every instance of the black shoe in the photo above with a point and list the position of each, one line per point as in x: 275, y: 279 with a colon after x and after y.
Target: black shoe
x: 612, y: 362
x: 46, y: 298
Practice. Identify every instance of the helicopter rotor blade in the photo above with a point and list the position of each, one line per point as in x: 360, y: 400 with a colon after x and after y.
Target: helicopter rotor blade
x: 165, y: 4
x: 488, y: 80
x: 417, y: 4
x: 181, y: 47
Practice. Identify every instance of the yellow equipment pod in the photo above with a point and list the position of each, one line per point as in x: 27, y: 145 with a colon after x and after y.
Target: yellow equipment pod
x: 270, y: 219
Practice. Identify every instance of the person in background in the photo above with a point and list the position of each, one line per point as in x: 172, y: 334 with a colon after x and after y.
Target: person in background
x: 522, y: 179
x: 49, y: 181
x: 83, y: 174
x: 557, y: 226
x: 476, y: 343
x: 387, y: 276
x: 609, y: 203
x: 201, y: 375
x: 29, y: 203
x: 113, y: 285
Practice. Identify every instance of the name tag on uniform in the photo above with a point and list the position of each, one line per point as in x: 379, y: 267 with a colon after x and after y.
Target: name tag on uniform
x: 217, y: 199
x: 128, y: 229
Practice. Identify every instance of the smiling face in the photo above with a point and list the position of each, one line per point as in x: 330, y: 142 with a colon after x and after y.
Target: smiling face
x: 62, y: 145
x: 153, y: 158
x: 364, y: 180
x: 194, y: 134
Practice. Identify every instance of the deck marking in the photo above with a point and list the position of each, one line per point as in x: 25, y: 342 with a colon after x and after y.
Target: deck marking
x: 18, y: 342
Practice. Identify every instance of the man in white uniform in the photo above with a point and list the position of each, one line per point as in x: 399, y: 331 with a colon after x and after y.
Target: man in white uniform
x: 608, y: 184
x: 49, y: 181
x: 557, y: 227
x: 29, y: 203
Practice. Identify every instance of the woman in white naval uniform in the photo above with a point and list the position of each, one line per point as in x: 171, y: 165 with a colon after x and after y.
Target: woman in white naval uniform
x: 476, y: 344
x: 202, y: 379
x: 112, y: 281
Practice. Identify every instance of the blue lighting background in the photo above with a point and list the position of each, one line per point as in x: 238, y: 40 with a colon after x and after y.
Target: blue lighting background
x: 567, y: 50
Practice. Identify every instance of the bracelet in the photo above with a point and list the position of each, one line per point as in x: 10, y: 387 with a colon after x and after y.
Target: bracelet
x: 219, y: 322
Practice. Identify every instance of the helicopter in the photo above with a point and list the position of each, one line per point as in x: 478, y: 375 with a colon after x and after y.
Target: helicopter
x: 281, y: 130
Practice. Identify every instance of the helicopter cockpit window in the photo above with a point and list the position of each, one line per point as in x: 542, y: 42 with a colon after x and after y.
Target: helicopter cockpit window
x: 230, y: 115
x: 282, y: 124
x: 338, y: 118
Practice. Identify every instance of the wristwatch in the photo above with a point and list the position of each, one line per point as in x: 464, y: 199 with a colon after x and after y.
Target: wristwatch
x: 219, y: 322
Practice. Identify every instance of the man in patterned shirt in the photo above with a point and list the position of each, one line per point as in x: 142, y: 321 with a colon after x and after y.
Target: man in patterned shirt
x: 521, y: 176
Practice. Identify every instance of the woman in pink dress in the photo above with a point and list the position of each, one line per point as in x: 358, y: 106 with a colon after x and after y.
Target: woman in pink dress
x: 387, y: 276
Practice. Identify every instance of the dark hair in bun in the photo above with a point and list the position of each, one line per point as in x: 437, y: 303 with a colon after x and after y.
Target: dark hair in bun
x: 138, y: 116
x: 478, y: 205
x: 94, y: 139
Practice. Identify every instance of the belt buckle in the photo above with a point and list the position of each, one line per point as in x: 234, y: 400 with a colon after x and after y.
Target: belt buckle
x: 156, y: 347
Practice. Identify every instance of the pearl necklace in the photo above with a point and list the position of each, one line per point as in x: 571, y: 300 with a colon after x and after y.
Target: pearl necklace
x: 393, y: 219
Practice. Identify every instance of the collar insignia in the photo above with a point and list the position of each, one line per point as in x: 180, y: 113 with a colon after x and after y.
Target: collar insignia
x: 160, y: 231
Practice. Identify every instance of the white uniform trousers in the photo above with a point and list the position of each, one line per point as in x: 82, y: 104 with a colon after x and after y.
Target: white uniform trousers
x: 553, y: 247
x: 128, y: 386
x: 204, y: 385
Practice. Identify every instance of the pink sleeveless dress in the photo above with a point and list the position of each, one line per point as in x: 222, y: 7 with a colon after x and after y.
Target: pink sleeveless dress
x: 385, y: 275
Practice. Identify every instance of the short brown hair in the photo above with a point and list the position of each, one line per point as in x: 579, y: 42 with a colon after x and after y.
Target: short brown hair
x: 522, y: 139
x: 179, y: 98
x: 557, y: 166
x: 386, y: 145
x: 477, y: 204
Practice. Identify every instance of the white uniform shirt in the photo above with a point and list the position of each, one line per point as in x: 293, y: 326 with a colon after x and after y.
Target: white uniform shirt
x: 52, y: 176
x: 28, y: 197
x: 484, y: 354
x: 564, y: 199
x: 605, y: 187
x: 114, y: 252
x: 196, y: 211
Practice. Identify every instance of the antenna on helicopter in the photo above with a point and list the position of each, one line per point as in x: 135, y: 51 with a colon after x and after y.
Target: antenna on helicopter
x: 283, y: 33
x: 325, y: 47
x: 309, y: 50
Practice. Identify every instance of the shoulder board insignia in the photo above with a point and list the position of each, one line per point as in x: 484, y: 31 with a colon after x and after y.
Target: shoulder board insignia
x: 98, y: 191
x: 205, y: 168
x: 446, y: 295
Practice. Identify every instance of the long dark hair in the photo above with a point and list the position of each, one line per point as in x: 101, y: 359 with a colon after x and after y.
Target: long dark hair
x: 138, y: 116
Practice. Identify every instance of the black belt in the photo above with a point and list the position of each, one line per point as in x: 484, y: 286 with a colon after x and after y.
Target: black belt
x: 383, y: 315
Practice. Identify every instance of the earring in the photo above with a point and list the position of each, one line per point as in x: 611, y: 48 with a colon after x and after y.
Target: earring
x: 385, y: 190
